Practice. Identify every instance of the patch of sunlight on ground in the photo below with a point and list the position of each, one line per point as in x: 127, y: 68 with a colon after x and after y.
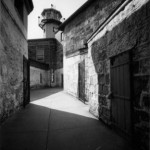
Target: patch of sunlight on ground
x: 64, y: 102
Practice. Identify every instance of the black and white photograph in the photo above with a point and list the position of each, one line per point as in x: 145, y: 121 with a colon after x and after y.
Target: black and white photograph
x: 74, y: 74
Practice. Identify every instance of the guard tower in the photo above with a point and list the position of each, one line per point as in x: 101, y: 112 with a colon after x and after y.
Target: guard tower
x: 49, y: 21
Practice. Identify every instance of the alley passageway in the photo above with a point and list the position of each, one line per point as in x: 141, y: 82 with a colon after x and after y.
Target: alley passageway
x: 55, y: 120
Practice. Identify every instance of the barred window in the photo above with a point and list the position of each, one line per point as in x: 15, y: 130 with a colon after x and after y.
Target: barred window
x: 40, y: 55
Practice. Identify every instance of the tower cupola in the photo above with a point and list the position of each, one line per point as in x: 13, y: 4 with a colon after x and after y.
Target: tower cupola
x: 49, y: 21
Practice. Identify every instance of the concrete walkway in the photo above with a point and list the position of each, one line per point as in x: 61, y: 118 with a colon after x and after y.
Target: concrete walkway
x: 55, y: 120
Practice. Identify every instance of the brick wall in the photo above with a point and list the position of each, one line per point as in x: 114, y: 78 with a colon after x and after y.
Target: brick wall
x: 129, y: 30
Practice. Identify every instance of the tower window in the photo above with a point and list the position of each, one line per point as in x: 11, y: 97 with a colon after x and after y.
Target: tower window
x: 62, y: 36
x: 19, y: 8
x: 55, y: 29
x: 44, y: 30
x: 40, y: 55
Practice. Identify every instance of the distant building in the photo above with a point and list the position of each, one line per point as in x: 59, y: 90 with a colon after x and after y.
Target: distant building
x: 46, y: 54
x: 107, y: 63
x: 14, y: 77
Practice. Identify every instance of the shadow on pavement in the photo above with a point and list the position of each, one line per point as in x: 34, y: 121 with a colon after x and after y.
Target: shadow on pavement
x: 42, y: 93
x: 41, y: 128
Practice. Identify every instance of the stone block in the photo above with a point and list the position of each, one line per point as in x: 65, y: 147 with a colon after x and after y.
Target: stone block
x: 105, y: 90
x: 4, y: 70
x: 98, y: 67
x: 107, y: 79
x: 136, y: 67
x: 105, y: 112
x: 147, y: 9
x: 104, y: 102
x: 101, y: 79
x: 144, y: 66
x: 111, y: 36
x: 100, y: 89
x: 106, y: 66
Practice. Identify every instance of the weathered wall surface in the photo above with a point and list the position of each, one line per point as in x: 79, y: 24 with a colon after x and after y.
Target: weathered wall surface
x: 71, y: 73
x: 75, y: 34
x: 58, y: 78
x: 83, y: 25
x: 129, y: 30
x: 59, y: 55
x: 53, y: 56
x: 13, y: 46
x: 38, y: 78
x: 47, y: 45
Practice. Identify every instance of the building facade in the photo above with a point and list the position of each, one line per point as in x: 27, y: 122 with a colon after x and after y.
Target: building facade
x: 13, y: 55
x: 107, y: 63
x: 47, y: 51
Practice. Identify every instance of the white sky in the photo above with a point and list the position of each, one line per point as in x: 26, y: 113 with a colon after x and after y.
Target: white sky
x: 66, y: 7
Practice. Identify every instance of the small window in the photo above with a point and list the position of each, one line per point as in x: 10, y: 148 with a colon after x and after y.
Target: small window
x: 52, y: 77
x: 19, y: 8
x: 40, y: 55
x: 40, y: 78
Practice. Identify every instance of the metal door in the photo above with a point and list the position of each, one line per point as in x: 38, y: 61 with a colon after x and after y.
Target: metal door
x: 121, y: 92
x: 82, y: 81
x: 26, y: 82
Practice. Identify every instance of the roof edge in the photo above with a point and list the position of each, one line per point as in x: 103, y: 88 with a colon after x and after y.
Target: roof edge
x: 119, y: 8
x: 29, y: 5
x: 46, y: 9
x: 80, y: 9
x: 41, y: 39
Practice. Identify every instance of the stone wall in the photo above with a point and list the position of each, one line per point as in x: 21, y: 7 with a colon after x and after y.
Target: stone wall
x: 84, y: 24
x: 127, y: 31
x: 71, y: 73
x: 47, y: 45
x: 58, y: 78
x: 59, y: 55
x: 53, y: 56
x: 13, y: 46
x: 39, y: 78
x: 76, y: 32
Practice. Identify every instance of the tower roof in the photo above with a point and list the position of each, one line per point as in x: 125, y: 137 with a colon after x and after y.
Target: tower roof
x: 51, y: 9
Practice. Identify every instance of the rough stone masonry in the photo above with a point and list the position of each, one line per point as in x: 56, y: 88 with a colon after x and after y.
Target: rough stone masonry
x: 128, y: 31
x: 13, y: 46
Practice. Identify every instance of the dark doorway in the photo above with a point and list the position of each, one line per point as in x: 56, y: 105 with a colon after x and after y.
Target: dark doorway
x: 26, y: 81
x: 121, y: 92
x: 82, y: 81
x: 62, y: 81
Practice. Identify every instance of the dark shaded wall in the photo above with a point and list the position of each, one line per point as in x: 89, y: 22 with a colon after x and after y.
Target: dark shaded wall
x: 52, y: 51
x: 128, y: 31
x: 47, y: 45
x: 53, y: 57
x: 13, y: 46
x: 59, y: 55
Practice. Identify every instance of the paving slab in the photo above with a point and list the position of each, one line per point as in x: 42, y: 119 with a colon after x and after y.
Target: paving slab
x: 55, y: 120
